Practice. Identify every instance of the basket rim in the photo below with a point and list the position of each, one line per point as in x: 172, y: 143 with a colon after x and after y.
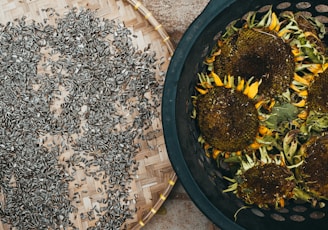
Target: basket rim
x: 138, y: 6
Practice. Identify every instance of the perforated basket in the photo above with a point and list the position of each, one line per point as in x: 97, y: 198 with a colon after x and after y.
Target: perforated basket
x: 198, y: 174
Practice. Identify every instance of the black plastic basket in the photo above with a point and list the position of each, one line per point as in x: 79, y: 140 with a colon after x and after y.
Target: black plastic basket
x: 198, y: 174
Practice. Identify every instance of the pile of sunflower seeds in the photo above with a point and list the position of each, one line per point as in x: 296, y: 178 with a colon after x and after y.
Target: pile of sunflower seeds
x: 74, y: 97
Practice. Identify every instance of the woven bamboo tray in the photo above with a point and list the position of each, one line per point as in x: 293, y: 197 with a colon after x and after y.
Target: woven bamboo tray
x: 155, y: 176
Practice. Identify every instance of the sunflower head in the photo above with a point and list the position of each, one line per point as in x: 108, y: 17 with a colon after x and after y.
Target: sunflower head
x: 265, y: 182
x: 314, y: 29
x: 313, y: 172
x: 228, y: 120
x: 317, y: 97
x: 228, y: 115
x: 315, y: 106
x: 259, y: 54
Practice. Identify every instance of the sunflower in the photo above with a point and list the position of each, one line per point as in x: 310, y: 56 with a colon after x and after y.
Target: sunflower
x: 229, y: 115
x: 312, y: 173
x: 280, y: 52
x: 219, y: 112
x: 309, y: 51
x: 315, y: 105
x: 256, y: 50
x: 264, y: 181
x: 246, y: 54
x: 317, y: 97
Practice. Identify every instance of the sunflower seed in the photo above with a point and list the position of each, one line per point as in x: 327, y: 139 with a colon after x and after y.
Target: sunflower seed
x: 82, y: 100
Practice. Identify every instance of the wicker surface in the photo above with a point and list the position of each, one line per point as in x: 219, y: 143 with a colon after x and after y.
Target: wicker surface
x: 155, y: 176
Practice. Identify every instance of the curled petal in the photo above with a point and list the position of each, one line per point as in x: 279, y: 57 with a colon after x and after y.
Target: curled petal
x: 201, y: 91
x: 301, y: 103
x: 274, y: 22
x: 303, y: 115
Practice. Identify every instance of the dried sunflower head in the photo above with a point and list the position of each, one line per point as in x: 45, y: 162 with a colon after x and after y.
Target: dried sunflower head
x: 228, y: 115
x: 316, y: 105
x: 313, y: 172
x: 259, y: 54
x: 317, y: 97
x: 228, y: 120
x: 265, y: 182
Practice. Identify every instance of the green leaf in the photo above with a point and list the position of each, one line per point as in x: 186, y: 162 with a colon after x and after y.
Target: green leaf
x: 281, y: 113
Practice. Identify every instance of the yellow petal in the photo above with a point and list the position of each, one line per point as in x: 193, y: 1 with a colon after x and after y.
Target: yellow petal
x: 216, y: 53
x: 272, y: 103
x: 294, y: 87
x: 259, y: 104
x: 325, y: 66
x: 207, y: 85
x: 303, y: 93
x: 301, y: 79
x: 283, y: 32
x: 309, y: 77
x: 315, y: 68
x: 262, y: 118
x: 255, y: 145
x: 301, y: 103
x: 308, y: 34
x: 230, y: 82
x: 303, y: 115
x: 282, y: 202
x: 299, y: 58
x: 253, y: 90
x: 240, y: 85
x: 201, y: 91
x: 210, y: 59
x: 226, y: 155
x: 216, y: 153
x: 264, y: 130
x: 217, y: 79
x: 277, y: 27
x: 296, y: 51
x: 206, y: 147
x: 274, y: 21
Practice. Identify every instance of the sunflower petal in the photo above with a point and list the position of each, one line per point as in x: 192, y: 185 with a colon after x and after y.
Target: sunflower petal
x: 315, y: 68
x: 201, y: 91
x: 283, y: 32
x: 216, y: 153
x: 301, y: 80
x: 301, y: 103
x: 303, y: 93
x: 217, y: 79
x: 240, y: 85
x: 230, y: 82
x: 253, y: 90
x: 303, y: 115
x: 274, y: 22
x: 264, y: 130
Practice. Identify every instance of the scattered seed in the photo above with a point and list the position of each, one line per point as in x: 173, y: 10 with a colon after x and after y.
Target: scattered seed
x: 72, y: 85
